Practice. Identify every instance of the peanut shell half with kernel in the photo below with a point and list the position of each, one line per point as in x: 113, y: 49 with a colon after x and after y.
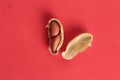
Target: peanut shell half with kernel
x: 55, y: 35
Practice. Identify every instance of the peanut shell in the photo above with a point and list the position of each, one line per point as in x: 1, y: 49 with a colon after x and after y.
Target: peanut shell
x: 55, y: 35
x: 77, y: 45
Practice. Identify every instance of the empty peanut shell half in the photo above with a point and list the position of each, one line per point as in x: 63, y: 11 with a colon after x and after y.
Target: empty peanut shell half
x: 55, y: 35
x: 77, y: 45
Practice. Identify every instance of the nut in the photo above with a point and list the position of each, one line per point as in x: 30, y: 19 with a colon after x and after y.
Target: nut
x: 77, y: 45
x: 55, y: 35
x: 54, y: 29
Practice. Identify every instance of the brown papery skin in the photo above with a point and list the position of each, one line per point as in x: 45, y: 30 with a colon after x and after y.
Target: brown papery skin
x: 54, y: 28
x: 54, y: 43
x: 54, y: 35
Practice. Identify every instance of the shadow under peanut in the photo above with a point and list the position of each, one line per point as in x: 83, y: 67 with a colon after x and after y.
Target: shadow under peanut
x: 71, y: 32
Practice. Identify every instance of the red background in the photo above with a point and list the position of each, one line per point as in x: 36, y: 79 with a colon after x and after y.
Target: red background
x: 24, y: 51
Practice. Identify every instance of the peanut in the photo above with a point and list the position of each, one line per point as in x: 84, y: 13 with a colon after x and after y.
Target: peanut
x: 54, y: 43
x: 55, y: 34
x: 54, y: 28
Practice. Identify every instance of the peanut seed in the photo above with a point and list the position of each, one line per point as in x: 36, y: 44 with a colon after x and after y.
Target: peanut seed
x: 54, y: 43
x: 54, y: 29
